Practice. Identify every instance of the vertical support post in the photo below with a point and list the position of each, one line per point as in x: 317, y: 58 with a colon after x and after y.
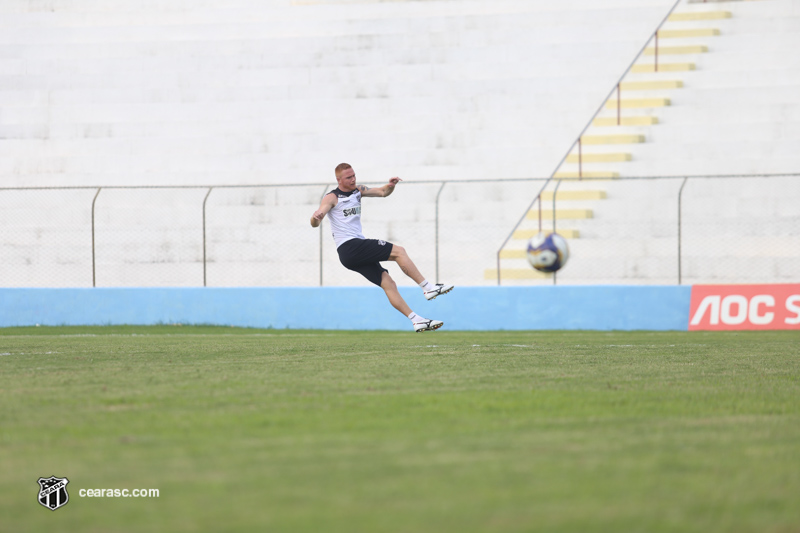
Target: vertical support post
x: 94, y: 262
x: 680, y: 194
x: 555, y: 192
x: 204, y: 235
x: 498, y: 266
x: 437, y: 229
x: 580, y: 160
x: 539, y: 199
x: 320, y: 238
x: 619, y: 105
x: 656, y: 54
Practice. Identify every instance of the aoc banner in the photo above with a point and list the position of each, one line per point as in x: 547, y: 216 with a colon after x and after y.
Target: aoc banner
x: 741, y: 307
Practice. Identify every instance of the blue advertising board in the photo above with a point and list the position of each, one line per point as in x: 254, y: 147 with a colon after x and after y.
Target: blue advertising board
x: 607, y: 307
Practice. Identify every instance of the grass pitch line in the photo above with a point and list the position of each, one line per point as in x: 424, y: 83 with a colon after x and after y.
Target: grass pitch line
x: 180, y: 335
x: 454, y: 346
x: 29, y: 353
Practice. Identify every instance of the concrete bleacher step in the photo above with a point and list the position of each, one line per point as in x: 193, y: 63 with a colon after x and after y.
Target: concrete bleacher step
x: 612, y: 139
x: 519, y: 253
x: 675, y: 50
x: 650, y: 85
x: 598, y: 157
x: 662, y: 67
x: 348, y: 16
x: 585, y: 175
x: 704, y: 132
x: 562, y: 195
x: 688, y: 33
x: 625, y: 121
x: 527, y: 234
x: 633, y: 263
x: 699, y: 15
x: 560, y: 214
x: 43, y: 217
x: 637, y: 103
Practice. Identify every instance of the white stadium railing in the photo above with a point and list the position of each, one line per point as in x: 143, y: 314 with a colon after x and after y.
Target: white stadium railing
x: 653, y: 230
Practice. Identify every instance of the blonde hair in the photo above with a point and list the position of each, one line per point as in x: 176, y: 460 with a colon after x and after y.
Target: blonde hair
x: 341, y: 167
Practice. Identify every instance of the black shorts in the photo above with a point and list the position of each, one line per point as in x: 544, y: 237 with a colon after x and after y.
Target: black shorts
x: 364, y: 256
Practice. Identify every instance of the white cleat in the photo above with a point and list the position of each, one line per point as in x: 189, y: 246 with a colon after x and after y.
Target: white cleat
x: 427, y: 325
x: 441, y: 288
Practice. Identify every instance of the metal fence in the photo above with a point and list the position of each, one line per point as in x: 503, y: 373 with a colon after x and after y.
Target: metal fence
x: 666, y: 230
x: 657, y: 230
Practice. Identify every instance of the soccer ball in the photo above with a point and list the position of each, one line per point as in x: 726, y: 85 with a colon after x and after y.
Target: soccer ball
x: 547, y: 252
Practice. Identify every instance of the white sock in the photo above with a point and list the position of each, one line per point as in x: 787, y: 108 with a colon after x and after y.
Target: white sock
x: 414, y: 318
x: 427, y: 285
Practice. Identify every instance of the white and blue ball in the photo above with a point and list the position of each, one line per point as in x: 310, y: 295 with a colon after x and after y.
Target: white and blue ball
x: 547, y: 252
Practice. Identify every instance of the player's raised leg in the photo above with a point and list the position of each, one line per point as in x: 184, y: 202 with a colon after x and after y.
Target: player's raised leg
x: 431, y: 291
x: 420, y: 323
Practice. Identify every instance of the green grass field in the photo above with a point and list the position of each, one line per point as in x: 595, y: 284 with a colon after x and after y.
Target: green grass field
x: 258, y: 430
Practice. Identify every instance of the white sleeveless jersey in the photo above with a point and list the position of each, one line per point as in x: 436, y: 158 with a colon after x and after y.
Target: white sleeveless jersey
x: 346, y: 217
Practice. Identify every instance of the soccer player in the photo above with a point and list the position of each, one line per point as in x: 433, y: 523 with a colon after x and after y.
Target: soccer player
x: 363, y: 255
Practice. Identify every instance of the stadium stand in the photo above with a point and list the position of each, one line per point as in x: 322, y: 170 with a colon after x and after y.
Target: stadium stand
x: 131, y: 93
x: 121, y: 92
x: 722, y: 101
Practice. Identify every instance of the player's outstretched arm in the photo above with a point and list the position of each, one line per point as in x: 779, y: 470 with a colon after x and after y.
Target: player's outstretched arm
x: 328, y: 202
x: 380, y: 192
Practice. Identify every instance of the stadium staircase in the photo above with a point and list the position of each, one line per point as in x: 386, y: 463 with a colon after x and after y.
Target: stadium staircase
x: 624, y: 139
x: 599, y: 152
